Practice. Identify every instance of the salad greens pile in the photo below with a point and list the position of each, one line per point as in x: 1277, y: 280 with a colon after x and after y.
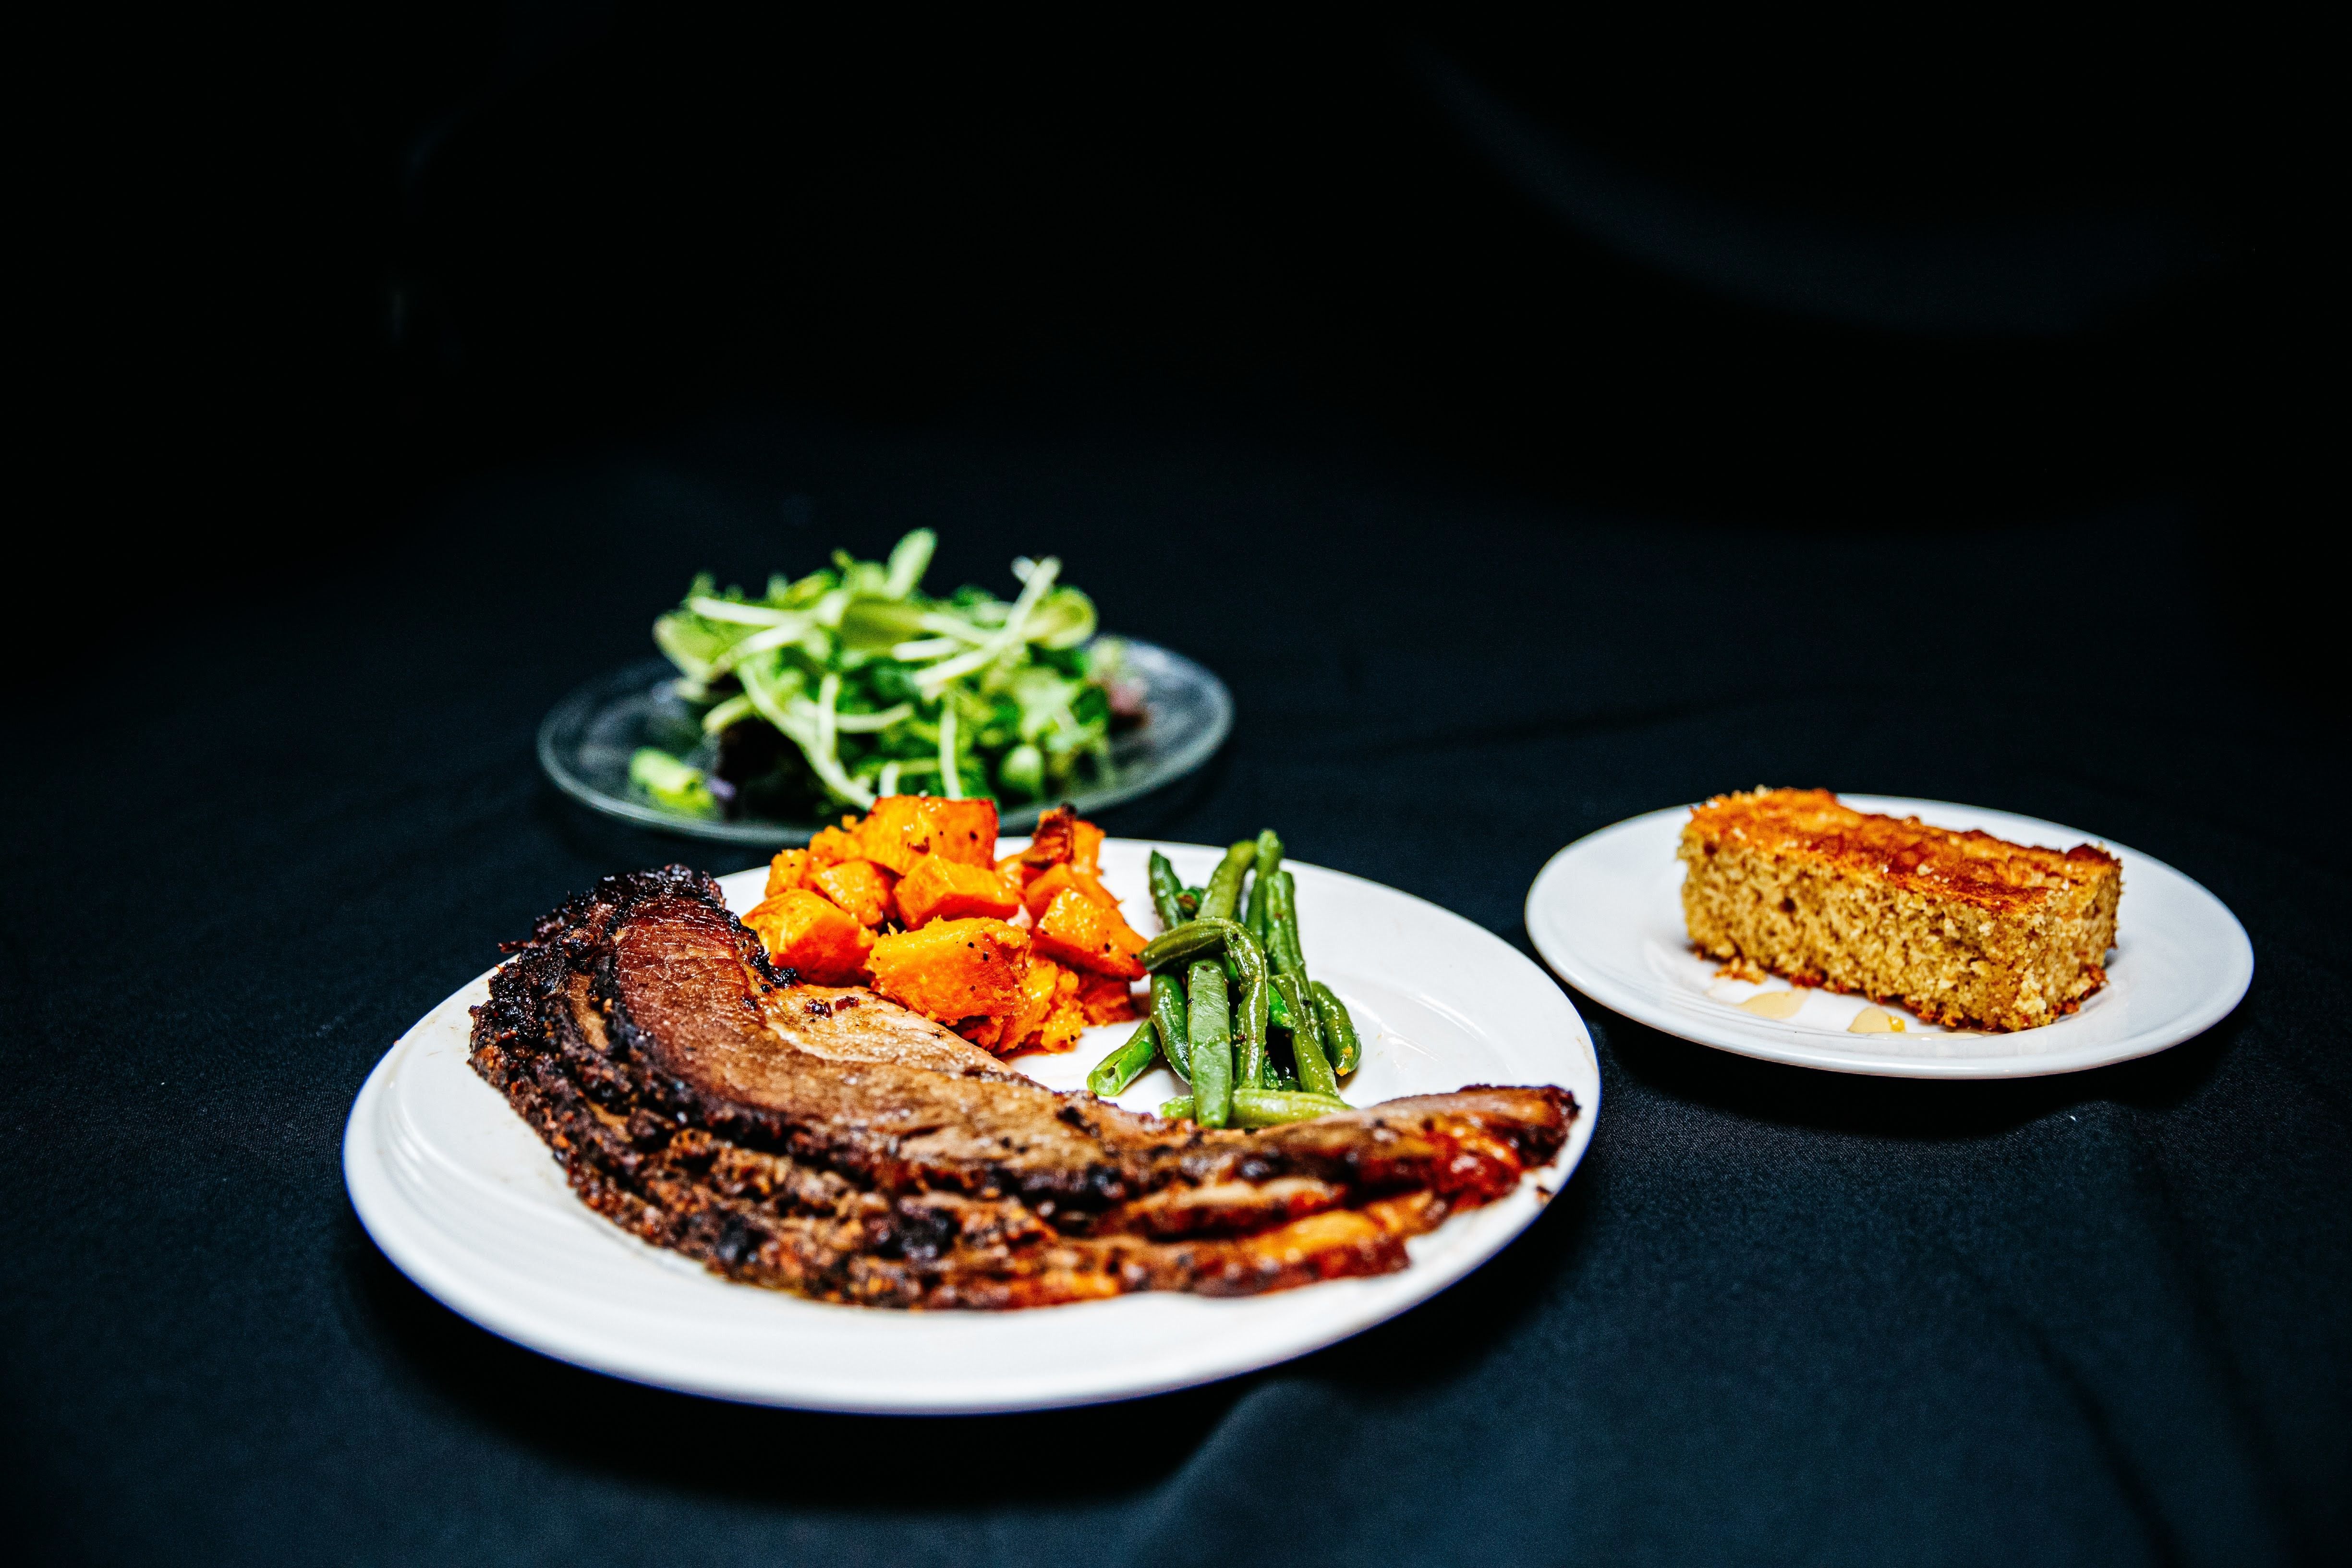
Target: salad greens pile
x: 877, y: 688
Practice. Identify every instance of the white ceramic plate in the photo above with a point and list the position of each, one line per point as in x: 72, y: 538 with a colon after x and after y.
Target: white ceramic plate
x: 467, y: 1202
x: 1606, y: 912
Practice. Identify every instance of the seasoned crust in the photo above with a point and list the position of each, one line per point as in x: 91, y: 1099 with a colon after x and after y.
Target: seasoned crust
x: 1962, y: 927
x: 1973, y: 867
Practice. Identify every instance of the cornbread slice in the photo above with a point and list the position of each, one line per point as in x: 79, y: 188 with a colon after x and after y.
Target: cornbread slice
x: 1962, y: 927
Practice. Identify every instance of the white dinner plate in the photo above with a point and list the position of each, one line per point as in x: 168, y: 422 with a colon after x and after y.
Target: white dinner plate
x: 467, y: 1202
x: 1606, y: 912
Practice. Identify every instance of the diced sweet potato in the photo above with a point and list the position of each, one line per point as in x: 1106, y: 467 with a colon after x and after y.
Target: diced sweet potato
x: 1045, y: 986
x: 988, y: 1034
x: 1062, y: 1030
x: 858, y: 886
x: 1106, y: 999
x: 939, y: 889
x: 833, y: 845
x: 1039, y: 894
x: 1061, y: 838
x: 788, y: 870
x: 1077, y: 929
x: 953, y: 970
x: 1086, y: 847
x: 1050, y: 844
x: 812, y: 937
x: 902, y: 826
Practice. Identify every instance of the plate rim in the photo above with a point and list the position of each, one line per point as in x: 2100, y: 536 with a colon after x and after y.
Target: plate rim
x: 1188, y: 759
x: 2229, y: 989
x: 387, y: 1215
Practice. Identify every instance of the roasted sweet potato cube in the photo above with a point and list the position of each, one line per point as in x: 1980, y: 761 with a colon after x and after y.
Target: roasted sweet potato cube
x: 1039, y: 894
x: 858, y: 886
x: 788, y: 870
x: 1086, y: 847
x: 988, y: 1034
x: 953, y: 970
x: 833, y: 845
x: 1106, y: 999
x: 938, y: 888
x: 1049, y: 842
x: 1062, y: 1030
x: 1077, y: 929
x: 901, y: 827
x: 1060, y: 837
x: 1045, y: 986
x: 811, y: 936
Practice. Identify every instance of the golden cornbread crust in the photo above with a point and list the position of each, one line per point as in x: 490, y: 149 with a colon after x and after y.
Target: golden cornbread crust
x: 1962, y: 927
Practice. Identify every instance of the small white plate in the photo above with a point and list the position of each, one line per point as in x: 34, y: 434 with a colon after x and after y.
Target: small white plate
x: 467, y: 1202
x: 1606, y: 912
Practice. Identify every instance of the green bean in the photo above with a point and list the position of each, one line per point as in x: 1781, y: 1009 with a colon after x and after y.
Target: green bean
x: 1287, y: 937
x: 1286, y: 997
x: 1167, y: 1011
x: 1262, y: 1107
x: 1244, y: 954
x: 1339, y: 1028
x: 1270, y: 861
x: 1272, y: 1107
x: 1282, y: 927
x: 1165, y: 890
x: 1277, y: 1012
x: 1124, y: 1065
x: 1188, y: 941
x: 1309, y: 1040
x: 1211, y: 1032
x: 1225, y: 892
x: 1229, y: 945
x: 1315, y: 1074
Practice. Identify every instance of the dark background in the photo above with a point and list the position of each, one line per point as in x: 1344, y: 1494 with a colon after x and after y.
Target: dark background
x: 303, y: 271
x: 1535, y: 426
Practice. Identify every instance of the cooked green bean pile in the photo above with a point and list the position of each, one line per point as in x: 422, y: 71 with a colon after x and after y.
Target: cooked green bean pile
x: 1234, y: 1012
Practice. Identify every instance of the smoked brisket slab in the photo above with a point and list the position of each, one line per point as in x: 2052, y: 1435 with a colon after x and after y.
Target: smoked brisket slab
x: 824, y: 1140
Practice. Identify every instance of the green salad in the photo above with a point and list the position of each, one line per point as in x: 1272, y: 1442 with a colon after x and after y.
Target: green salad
x: 834, y: 689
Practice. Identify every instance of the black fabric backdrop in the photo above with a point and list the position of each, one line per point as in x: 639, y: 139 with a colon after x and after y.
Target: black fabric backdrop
x: 1536, y: 420
x: 1777, y: 1315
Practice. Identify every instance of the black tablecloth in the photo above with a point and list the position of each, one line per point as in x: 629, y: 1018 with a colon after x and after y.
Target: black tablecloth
x: 1777, y: 1315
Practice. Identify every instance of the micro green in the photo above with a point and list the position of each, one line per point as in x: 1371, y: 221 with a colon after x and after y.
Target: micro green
x: 879, y: 688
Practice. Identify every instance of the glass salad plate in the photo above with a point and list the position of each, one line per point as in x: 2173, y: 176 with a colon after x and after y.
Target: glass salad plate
x: 586, y: 742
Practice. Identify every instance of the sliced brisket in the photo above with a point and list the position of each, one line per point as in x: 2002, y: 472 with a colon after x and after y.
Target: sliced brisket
x: 824, y: 1140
